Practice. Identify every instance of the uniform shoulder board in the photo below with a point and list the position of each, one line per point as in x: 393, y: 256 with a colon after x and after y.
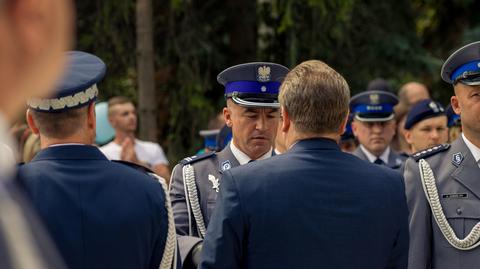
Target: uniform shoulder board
x: 430, y: 152
x: 192, y: 159
x: 134, y: 166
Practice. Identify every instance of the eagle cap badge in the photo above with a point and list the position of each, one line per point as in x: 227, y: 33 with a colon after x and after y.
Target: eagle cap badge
x: 374, y: 99
x: 263, y: 73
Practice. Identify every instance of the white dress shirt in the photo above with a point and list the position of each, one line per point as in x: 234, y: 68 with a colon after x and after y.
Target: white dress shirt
x: 473, y: 149
x: 243, y: 158
x: 372, y: 158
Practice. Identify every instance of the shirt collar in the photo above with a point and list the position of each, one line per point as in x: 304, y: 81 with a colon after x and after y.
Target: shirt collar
x: 372, y: 158
x: 65, y: 144
x: 473, y: 149
x: 243, y: 158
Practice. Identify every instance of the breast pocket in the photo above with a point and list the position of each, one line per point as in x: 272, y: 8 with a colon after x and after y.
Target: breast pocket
x: 462, y: 215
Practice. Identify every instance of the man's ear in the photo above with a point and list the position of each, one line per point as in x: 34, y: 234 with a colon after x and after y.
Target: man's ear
x: 343, y: 126
x: 227, y: 116
x: 91, y: 119
x: 354, y: 128
x: 408, y: 136
x: 455, y: 105
x: 286, y: 120
x: 31, y: 122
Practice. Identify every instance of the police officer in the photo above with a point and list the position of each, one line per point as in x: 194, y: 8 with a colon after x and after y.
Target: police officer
x: 442, y: 183
x: 96, y: 211
x: 426, y: 125
x: 252, y: 111
x: 374, y: 127
x: 312, y: 206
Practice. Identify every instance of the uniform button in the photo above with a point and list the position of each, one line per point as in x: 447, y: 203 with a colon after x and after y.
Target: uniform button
x: 459, y: 211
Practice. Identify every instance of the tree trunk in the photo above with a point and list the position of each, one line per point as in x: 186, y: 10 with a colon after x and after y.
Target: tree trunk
x: 147, y: 109
x: 243, y: 31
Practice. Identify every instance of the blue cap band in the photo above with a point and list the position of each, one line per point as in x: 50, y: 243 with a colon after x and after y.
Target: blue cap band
x: 271, y: 87
x: 381, y: 108
x: 468, y: 67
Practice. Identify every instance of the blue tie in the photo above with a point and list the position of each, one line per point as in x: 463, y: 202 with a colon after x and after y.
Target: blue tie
x: 379, y: 161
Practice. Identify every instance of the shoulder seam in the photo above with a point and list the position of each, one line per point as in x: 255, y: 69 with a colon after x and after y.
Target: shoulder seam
x: 193, y: 159
x: 430, y: 152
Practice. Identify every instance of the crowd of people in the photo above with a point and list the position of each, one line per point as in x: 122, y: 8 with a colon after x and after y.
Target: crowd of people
x: 301, y: 175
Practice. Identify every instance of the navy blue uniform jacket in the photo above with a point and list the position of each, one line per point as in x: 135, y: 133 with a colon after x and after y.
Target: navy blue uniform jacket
x: 100, y: 214
x: 312, y: 207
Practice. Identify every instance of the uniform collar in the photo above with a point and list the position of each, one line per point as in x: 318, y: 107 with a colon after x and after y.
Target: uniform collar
x: 70, y: 152
x: 473, y: 149
x: 314, y: 143
x: 371, y: 158
x: 243, y: 158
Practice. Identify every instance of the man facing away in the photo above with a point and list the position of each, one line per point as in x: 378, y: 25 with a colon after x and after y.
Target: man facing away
x: 100, y: 214
x: 123, y: 118
x: 313, y: 206
x: 251, y: 90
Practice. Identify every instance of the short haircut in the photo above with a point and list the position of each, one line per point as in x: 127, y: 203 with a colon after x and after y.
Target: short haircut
x: 60, y: 124
x: 117, y: 100
x: 316, y: 97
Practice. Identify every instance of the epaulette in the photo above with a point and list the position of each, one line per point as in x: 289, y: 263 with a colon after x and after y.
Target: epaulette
x: 429, y: 152
x: 135, y: 166
x: 192, y: 159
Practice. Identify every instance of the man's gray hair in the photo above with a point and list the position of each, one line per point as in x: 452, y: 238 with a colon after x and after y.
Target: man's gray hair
x: 316, y: 98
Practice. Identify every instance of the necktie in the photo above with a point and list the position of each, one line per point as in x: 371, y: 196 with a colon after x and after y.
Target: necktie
x: 379, y: 161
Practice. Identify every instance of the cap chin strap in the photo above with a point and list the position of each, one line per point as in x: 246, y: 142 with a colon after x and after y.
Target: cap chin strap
x: 471, y: 241
x: 242, y: 102
x: 374, y: 119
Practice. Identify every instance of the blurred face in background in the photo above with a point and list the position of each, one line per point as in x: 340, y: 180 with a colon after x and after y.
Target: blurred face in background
x: 374, y: 136
x: 123, y: 118
x: 253, y: 129
x: 427, y: 133
x: 34, y: 37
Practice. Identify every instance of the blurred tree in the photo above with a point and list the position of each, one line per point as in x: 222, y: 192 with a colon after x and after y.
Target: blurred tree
x: 398, y: 40
x: 147, y: 106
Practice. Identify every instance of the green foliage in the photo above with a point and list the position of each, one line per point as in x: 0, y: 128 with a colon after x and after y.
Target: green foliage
x: 194, y: 40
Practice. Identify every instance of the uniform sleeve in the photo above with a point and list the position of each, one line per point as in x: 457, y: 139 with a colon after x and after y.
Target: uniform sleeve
x: 223, y: 244
x: 399, y: 254
x: 158, y: 156
x: 420, y: 225
x: 179, y: 203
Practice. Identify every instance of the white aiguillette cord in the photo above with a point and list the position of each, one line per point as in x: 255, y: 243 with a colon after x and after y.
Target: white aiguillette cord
x: 471, y: 241
x: 169, y: 257
x: 191, y: 189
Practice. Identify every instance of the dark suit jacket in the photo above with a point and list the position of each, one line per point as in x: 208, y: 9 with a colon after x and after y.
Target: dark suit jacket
x: 100, y: 214
x: 312, y: 207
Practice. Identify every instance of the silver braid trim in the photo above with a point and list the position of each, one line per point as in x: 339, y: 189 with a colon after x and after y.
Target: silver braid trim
x: 169, y: 257
x: 471, y: 241
x: 189, y: 178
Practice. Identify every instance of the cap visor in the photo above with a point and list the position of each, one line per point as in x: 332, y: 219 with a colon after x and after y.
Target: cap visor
x: 256, y: 103
x: 374, y: 119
